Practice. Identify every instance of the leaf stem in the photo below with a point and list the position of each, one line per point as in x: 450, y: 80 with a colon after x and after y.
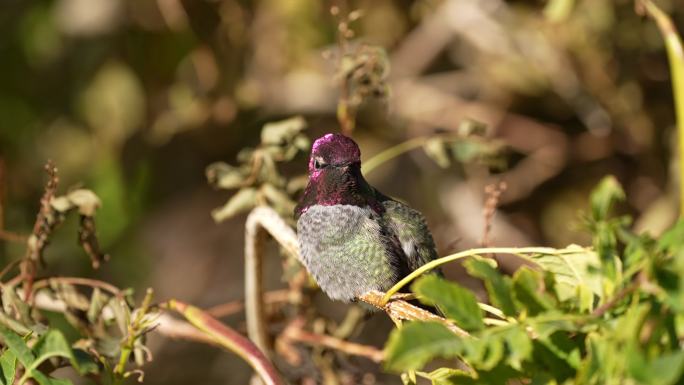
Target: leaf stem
x: 392, y: 152
x: 470, y: 253
x: 675, y: 55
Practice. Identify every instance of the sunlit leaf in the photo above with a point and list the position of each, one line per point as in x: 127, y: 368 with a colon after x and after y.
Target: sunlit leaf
x: 498, y: 287
x: 571, y: 270
x: 604, y: 196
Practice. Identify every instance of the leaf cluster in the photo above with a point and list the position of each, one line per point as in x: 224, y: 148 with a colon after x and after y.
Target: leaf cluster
x: 613, y: 315
x: 257, y: 177
x: 49, y: 323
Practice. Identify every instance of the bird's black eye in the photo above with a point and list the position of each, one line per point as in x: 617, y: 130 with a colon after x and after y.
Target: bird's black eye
x: 318, y: 164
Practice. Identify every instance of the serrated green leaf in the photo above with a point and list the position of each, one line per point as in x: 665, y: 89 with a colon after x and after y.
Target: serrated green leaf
x: 416, y: 343
x: 8, y: 365
x: 243, y: 200
x: 456, y: 302
x: 529, y: 291
x: 498, y: 287
x: 518, y: 346
x: 571, y: 270
x: 604, y: 196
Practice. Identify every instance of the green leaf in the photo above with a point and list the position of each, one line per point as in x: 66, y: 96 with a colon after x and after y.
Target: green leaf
x: 604, y: 196
x: 416, y: 343
x: 42, y: 379
x: 530, y: 292
x: 8, y: 365
x: 662, y: 370
x: 498, y: 286
x: 448, y: 376
x: 54, y: 344
x: 571, y: 270
x: 673, y: 240
x: 456, y: 302
x: 519, y: 346
x: 17, y: 345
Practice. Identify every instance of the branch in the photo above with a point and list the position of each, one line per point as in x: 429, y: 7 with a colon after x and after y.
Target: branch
x: 402, y: 310
x: 294, y: 332
x: 228, y: 338
x: 232, y: 307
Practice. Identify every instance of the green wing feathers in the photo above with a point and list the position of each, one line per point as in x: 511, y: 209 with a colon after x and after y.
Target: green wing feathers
x: 411, y: 230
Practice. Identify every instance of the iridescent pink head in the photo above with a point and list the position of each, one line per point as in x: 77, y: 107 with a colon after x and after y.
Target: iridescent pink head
x: 333, y: 150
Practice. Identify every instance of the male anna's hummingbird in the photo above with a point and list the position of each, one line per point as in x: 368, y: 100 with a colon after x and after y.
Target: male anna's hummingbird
x: 352, y: 238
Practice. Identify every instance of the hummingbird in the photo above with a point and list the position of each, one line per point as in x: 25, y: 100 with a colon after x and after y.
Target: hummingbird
x: 352, y: 238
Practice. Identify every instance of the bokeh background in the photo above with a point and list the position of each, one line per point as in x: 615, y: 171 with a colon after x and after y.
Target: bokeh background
x: 134, y: 98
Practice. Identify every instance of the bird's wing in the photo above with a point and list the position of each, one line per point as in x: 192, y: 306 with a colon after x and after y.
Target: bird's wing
x: 410, y: 229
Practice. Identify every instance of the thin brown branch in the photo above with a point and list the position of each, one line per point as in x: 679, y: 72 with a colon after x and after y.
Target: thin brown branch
x: 12, y: 237
x: 402, y: 310
x: 78, y: 281
x: 624, y: 292
x: 295, y: 333
x: 232, y: 307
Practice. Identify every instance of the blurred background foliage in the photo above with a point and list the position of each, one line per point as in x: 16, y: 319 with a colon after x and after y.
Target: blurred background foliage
x: 134, y: 98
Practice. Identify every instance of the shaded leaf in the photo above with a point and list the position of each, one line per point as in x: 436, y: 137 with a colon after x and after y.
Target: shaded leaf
x: 8, y: 365
x: 498, y: 287
x: 456, y: 302
x: 416, y: 343
x: 663, y: 370
x: 17, y: 345
x: 530, y: 292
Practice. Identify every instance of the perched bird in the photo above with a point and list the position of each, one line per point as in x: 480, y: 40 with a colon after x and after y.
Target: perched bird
x: 352, y: 238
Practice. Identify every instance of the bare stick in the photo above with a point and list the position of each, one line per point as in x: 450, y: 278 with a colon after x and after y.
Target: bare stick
x: 295, y: 333
x: 232, y: 307
x: 260, y: 219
